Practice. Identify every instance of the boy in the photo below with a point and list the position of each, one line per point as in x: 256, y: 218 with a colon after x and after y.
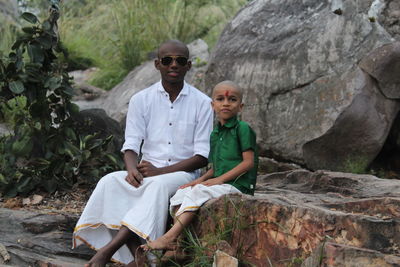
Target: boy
x: 234, y: 159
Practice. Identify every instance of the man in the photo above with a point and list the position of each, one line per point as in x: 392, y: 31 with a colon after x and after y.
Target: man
x: 175, y: 121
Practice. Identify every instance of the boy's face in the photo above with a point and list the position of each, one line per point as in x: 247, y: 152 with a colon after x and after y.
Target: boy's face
x: 172, y: 63
x: 226, y: 102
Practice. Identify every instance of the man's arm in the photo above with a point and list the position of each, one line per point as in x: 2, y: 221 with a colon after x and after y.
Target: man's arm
x: 188, y: 165
x: 134, y: 176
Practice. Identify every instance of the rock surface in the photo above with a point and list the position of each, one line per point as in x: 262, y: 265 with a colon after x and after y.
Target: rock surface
x: 333, y: 254
x: 292, y: 217
x: 40, y: 239
x: 306, y: 96
x: 293, y: 212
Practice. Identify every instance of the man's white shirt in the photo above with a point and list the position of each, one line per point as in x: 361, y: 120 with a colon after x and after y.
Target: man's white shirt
x: 172, y: 131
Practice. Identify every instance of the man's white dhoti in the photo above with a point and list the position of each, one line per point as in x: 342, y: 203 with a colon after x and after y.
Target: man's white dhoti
x: 115, y: 202
x: 191, y: 198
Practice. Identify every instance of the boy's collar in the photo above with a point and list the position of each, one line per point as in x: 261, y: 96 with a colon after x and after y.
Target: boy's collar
x: 230, y: 123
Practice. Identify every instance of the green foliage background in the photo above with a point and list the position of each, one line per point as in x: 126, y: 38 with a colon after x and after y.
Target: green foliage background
x: 49, y: 146
x: 117, y: 35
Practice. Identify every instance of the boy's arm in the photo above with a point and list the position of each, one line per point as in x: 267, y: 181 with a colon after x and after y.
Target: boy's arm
x: 244, y: 166
x: 199, y: 180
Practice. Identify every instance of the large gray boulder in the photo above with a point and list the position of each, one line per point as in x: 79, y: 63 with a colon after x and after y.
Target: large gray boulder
x: 305, y: 94
x: 116, y: 101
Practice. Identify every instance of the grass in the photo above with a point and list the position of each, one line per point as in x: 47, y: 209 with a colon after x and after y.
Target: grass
x: 8, y: 33
x: 356, y: 164
x: 117, y: 35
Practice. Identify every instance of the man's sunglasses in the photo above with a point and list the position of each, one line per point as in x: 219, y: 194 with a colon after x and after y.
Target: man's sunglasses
x: 166, y: 61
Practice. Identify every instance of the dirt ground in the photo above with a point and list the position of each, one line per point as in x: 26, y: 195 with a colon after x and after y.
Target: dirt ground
x: 70, y: 201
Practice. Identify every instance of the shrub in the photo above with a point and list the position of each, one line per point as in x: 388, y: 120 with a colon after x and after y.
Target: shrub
x: 47, y: 148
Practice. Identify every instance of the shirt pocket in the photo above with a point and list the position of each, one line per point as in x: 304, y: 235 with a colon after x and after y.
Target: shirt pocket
x: 185, y: 133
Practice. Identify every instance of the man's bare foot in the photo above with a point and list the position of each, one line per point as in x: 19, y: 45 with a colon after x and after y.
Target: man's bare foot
x: 160, y: 243
x: 100, y: 259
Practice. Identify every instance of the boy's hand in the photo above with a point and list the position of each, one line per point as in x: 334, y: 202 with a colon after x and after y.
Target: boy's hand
x: 147, y: 169
x: 213, y: 181
x: 192, y: 183
x: 134, y: 177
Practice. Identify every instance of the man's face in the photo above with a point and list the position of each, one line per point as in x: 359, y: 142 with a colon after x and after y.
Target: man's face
x: 171, y: 63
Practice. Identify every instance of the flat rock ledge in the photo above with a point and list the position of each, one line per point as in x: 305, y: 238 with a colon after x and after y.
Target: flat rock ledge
x: 302, y: 218
x: 296, y: 218
x: 40, y: 239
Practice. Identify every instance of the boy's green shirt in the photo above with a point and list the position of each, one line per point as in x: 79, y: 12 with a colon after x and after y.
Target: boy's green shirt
x: 228, y: 141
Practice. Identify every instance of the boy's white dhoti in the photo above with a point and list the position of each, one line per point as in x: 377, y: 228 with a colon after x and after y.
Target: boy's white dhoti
x: 115, y: 202
x: 191, y: 198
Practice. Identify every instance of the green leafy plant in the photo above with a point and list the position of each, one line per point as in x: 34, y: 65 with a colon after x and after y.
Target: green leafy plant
x: 356, y: 164
x: 47, y: 148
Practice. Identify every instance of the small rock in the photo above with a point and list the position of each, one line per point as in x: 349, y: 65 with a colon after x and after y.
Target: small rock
x: 36, y: 199
x: 224, y: 246
x: 26, y: 201
x: 4, y: 253
x: 221, y: 259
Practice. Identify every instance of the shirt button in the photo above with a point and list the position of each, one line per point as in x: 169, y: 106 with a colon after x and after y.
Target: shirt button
x: 170, y: 124
x: 172, y: 107
x: 169, y: 143
x: 169, y: 159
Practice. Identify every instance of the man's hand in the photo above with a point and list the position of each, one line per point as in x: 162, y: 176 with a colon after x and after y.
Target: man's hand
x: 147, y: 169
x: 213, y: 181
x: 134, y: 177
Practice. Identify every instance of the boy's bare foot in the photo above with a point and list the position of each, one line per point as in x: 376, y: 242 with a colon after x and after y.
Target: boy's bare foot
x: 100, y: 259
x: 160, y: 243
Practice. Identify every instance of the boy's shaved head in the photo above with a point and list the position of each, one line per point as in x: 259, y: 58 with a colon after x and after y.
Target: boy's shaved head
x: 228, y: 84
x: 175, y: 43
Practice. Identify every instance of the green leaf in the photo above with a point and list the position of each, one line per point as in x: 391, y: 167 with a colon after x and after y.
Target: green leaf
x: 11, y: 192
x: 17, y: 87
x: 29, y: 17
x: 22, y: 147
x: 30, y: 30
x: 46, y: 26
x: 50, y: 185
x: 24, y: 186
x: 45, y: 41
x: 112, y: 158
x: 35, y: 53
x: 70, y: 133
x: 3, y: 179
x: 73, y: 108
x: 53, y: 83
x: 38, y: 126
